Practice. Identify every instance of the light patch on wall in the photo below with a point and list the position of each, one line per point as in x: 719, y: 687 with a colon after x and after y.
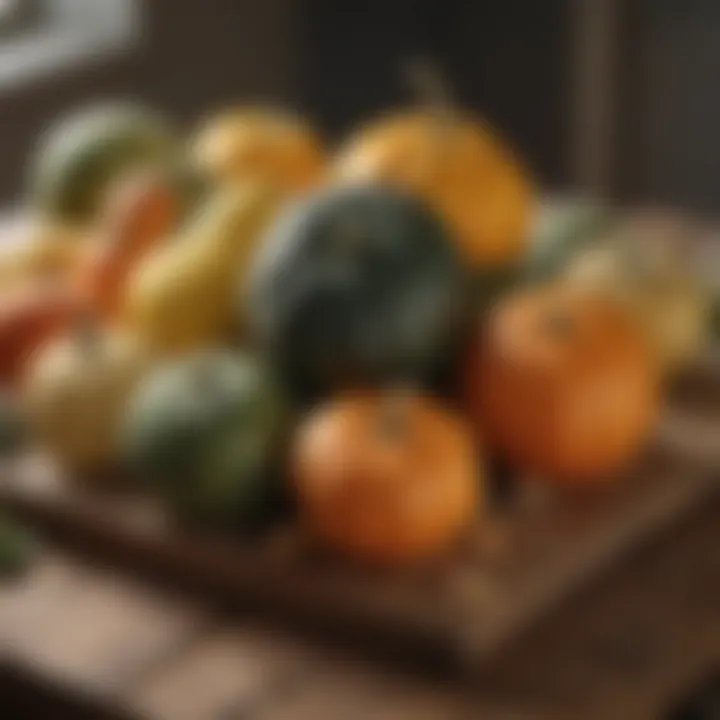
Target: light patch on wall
x: 63, y: 34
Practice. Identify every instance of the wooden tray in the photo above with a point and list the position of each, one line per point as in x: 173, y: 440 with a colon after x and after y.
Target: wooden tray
x: 519, y: 562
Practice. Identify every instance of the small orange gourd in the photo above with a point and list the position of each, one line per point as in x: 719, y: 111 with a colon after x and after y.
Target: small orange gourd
x: 386, y: 479
x: 141, y: 211
x: 563, y: 384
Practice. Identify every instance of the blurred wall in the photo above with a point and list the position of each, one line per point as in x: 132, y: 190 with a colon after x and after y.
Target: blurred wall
x: 669, y: 150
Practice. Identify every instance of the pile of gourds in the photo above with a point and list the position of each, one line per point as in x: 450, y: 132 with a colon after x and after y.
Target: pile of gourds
x: 244, y: 319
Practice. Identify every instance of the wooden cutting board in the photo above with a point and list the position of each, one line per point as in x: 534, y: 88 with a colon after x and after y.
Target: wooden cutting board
x: 520, y: 561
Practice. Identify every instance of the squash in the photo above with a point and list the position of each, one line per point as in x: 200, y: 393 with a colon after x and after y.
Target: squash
x: 460, y: 167
x: 648, y: 269
x: 563, y: 227
x: 75, y: 396
x: 355, y: 286
x: 82, y: 153
x: 387, y: 478
x: 562, y: 384
x: 35, y: 249
x: 183, y: 297
x: 31, y: 313
x: 260, y: 144
x: 203, y: 432
x: 140, y: 213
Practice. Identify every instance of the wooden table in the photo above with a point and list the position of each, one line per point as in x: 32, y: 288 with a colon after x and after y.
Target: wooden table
x: 632, y: 645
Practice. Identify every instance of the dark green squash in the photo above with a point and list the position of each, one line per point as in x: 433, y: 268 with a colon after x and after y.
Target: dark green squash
x: 203, y: 433
x: 357, y: 286
x: 83, y: 153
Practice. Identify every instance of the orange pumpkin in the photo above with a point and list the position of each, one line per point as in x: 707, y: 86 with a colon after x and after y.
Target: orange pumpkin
x: 30, y: 314
x: 386, y: 479
x: 460, y: 167
x: 563, y: 384
x: 260, y: 144
x: 140, y: 212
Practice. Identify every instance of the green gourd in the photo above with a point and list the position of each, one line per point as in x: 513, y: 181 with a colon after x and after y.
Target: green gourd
x: 81, y: 155
x: 203, y: 433
x: 563, y: 227
x: 356, y: 286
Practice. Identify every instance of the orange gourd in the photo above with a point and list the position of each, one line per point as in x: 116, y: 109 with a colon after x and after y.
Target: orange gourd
x: 140, y: 212
x: 31, y: 314
x: 463, y: 170
x: 386, y: 479
x: 563, y: 384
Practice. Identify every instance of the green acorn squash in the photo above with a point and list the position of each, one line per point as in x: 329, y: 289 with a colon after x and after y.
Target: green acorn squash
x: 202, y: 432
x: 357, y: 286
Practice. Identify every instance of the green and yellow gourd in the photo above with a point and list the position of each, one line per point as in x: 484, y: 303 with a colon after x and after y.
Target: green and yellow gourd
x: 83, y: 153
x: 561, y: 228
x: 652, y: 276
x: 357, y: 286
x: 203, y: 433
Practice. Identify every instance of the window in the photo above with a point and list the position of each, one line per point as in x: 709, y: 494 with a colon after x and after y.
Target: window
x: 39, y: 37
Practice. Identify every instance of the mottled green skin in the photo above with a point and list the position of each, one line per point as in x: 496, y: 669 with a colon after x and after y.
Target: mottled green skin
x: 357, y: 286
x: 203, y: 433
x: 82, y: 154
x: 17, y: 547
x: 562, y: 228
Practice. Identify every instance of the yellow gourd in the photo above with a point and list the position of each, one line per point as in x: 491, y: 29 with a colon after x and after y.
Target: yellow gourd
x: 260, y: 144
x: 184, y: 296
x: 75, y: 395
x: 32, y: 249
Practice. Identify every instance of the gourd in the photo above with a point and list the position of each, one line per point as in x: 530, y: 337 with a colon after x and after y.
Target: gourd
x: 81, y: 154
x: 140, y: 213
x: 203, y: 433
x: 562, y: 384
x: 75, y: 397
x: 31, y: 314
x: 387, y: 479
x: 183, y: 297
x: 356, y: 286
x: 260, y: 144
x: 457, y: 164
x: 35, y: 249
x: 562, y: 228
x: 650, y: 273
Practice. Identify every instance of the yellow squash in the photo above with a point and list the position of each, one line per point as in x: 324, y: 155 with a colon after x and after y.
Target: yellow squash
x: 34, y: 249
x: 75, y: 395
x: 184, y: 296
x: 260, y: 144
